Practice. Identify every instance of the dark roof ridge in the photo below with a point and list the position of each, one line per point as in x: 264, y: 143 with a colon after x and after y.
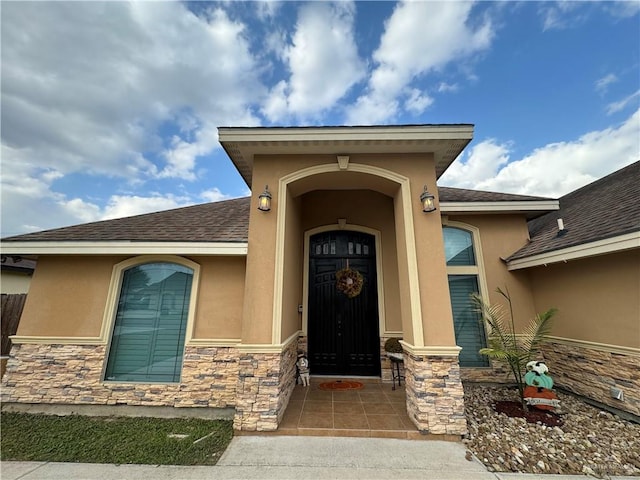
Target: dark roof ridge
x: 321, y: 127
x: 503, y: 194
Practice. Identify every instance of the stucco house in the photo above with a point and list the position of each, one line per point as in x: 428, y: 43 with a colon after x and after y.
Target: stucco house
x: 206, y: 306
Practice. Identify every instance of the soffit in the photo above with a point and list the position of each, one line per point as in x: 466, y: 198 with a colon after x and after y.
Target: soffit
x: 446, y: 142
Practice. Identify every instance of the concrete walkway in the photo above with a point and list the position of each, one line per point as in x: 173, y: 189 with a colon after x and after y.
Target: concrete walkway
x: 289, y: 458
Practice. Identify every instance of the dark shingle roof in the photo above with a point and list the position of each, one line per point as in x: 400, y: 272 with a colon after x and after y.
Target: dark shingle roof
x: 449, y: 194
x: 226, y: 221
x: 606, y: 208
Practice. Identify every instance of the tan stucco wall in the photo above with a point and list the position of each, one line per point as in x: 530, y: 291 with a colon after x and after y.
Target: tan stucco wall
x: 501, y: 236
x: 257, y: 311
x: 221, y: 293
x: 67, y: 297
x: 437, y: 317
x: 598, y: 298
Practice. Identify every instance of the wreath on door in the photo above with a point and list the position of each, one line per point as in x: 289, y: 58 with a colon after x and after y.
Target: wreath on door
x: 349, y: 281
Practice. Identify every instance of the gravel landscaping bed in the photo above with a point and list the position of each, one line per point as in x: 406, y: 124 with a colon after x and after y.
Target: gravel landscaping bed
x: 590, y: 441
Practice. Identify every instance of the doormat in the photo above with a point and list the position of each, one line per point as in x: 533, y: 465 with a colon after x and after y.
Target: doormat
x: 341, y: 385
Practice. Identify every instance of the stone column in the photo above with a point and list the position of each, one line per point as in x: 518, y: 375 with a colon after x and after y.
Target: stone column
x: 265, y: 383
x: 435, y: 398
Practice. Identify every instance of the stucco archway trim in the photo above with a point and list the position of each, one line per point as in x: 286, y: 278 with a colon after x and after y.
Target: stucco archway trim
x: 409, y: 235
x: 379, y: 271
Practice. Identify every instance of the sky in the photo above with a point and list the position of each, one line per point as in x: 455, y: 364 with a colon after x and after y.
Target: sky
x: 111, y: 109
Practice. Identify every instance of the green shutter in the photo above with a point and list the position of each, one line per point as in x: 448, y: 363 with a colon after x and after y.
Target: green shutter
x: 469, y: 329
x: 148, y: 337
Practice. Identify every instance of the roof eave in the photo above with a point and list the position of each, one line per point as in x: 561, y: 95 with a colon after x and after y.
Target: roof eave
x: 105, y: 247
x: 241, y: 144
x: 531, y: 208
x: 605, y: 246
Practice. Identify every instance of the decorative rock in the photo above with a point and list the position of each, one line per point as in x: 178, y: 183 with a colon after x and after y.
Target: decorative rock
x: 551, y: 450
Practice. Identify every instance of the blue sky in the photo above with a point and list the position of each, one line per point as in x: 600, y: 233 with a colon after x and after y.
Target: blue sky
x: 110, y: 109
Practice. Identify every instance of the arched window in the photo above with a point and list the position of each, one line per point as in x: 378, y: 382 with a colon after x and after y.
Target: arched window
x: 148, y: 338
x: 462, y: 272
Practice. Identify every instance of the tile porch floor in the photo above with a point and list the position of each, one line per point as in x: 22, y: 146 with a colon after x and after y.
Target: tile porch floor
x: 373, y: 411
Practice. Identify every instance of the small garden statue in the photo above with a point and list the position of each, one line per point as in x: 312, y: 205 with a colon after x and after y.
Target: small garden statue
x: 538, y: 391
x: 303, y: 369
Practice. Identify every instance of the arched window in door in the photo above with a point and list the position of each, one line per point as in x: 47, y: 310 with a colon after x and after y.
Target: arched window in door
x: 148, y: 338
x: 463, y: 274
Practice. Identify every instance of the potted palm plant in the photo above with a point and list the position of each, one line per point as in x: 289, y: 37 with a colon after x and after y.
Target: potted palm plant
x: 516, y: 349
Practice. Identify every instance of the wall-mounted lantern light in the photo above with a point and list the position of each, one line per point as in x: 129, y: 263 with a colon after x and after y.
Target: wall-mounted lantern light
x: 427, y: 201
x: 264, y: 200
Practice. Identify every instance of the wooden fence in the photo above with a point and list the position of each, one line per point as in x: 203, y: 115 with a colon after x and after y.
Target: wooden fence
x: 12, y: 306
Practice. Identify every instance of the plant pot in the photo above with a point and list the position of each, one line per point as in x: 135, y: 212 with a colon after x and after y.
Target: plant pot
x: 395, y: 356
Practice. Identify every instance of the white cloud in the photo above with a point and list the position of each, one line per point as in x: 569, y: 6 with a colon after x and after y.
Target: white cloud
x: 558, y: 15
x: 417, y: 102
x: 322, y: 59
x: 447, y: 87
x: 81, y: 210
x: 602, y: 84
x: 483, y: 162
x: 95, y: 88
x: 622, y: 104
x: 91, y: 85
x: 570, y: 13
x: 213, y: 195
x: 275, y: 106
x: 267, y: 9
x: 127, y: 205
x: 419, y: 37
x: 552, y: 170
x: 181, y: 157
x: 623, y: 8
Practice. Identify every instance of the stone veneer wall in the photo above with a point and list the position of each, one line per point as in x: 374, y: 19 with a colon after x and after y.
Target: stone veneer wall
x: 591, y: 373
x: 498, y: 372
x: 72, y: 374
x: 435, y: 398
x: 265, y: 384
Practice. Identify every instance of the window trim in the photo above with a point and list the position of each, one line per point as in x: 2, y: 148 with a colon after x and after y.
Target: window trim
x: 478, y: 269
x: 113, y: 296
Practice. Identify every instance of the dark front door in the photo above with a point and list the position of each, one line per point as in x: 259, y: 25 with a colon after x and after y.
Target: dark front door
x: 343, y: 332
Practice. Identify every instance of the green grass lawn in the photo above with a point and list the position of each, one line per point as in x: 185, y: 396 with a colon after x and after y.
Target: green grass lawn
x: 75, y: 438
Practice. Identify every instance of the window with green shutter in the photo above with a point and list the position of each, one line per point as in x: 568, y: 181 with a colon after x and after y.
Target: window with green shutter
x: 147, y: 344
x: 463, y: 274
